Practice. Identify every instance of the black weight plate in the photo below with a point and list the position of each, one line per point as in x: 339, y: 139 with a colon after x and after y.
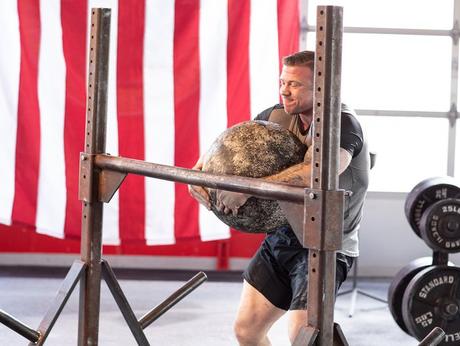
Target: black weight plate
x: 440, y: 225
x: 398, y: 286
x: 425, y: 194
x: 432, y: 299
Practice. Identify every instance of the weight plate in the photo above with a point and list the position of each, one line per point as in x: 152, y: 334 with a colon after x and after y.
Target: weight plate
x: 426, y: 193
x: 440, y: 225
x: 432, y: 299
x: 398, y: 286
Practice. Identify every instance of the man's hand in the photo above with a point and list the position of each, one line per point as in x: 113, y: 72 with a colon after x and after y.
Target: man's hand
x: 228, y: 201
x: 199, y: 192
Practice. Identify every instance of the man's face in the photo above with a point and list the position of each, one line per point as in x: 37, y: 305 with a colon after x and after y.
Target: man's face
x: 296, y: 89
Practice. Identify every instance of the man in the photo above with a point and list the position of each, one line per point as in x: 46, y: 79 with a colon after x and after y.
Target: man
x: 276, y: 278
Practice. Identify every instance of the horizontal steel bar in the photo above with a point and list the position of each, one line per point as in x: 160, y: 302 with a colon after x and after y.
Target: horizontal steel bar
x: 388, y: 31
x: 19, y: 327
x: 172, y: 300
x: 252, y: 186
x: 396, y: 113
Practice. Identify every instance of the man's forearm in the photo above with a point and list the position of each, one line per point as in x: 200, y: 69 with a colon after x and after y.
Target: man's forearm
x: 299, y: 174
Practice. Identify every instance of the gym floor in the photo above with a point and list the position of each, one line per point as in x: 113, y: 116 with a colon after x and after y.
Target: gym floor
x: 203, y: 318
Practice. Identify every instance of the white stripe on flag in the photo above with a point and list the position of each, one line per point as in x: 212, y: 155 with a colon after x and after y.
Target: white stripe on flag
x: 213, y: 95
x: 159, y: 118
x: 263, y: 55
x: 10, y: 65
x: 51, y: 203
x: 110, y: 223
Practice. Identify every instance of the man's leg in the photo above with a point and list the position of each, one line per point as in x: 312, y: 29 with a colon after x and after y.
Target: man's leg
x: 297, y: 319
x: 254, y: 318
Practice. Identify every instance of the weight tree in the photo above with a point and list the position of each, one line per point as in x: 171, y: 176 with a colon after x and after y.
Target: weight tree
x: 317, y: 227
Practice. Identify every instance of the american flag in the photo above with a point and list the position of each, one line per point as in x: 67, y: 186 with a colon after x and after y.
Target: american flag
x: 180, y: 73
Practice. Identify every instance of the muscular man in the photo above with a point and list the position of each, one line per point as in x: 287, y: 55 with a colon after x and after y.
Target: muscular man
x: 276, y: 278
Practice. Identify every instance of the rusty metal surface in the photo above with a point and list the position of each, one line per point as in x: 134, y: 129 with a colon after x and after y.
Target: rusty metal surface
x: 324, y: 220
x: 306, y: 337
x: 172, y: 300
x: 65, y: 291
x: 253, y: 186
x: 339, y: 337
x: 85, y: 188
x: 109, y: 183
x: 325, y: 163
x: 91, y: 237
x: 19, y: 327
x: 123, y: 305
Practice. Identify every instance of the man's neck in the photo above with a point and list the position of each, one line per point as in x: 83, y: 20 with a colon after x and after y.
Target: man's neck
x: 306, y: 119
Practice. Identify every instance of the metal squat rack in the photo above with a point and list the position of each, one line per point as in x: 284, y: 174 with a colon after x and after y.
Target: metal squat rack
x: 317, y: 227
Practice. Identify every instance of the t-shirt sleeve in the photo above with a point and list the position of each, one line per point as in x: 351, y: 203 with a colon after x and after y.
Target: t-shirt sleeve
x: 351, y: 137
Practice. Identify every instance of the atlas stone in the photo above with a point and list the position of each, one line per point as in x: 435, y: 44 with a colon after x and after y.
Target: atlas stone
x: 253, y: 149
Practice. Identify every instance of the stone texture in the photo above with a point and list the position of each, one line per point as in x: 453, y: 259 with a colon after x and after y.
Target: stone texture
x: 254, y: 149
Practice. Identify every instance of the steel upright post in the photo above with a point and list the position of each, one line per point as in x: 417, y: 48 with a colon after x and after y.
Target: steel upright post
x: 323, y: 217
x: 95, y: 139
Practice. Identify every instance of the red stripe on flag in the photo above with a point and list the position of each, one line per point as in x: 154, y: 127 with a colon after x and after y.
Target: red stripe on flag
x: 28, y: 131
x: 288, y: 28
x: 74, y: 27
x: 186, y: 108
x: 238, y: 89
x: 238, y: 85
x: 130, y: 103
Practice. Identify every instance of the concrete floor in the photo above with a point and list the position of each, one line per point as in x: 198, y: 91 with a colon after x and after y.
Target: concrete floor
x: 203, y: 318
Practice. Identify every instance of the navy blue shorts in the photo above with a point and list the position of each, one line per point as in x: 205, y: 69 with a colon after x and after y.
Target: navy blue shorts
x: 279, y: 270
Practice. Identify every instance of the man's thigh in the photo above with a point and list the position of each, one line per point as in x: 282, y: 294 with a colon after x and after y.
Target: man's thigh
x: 256, y: 311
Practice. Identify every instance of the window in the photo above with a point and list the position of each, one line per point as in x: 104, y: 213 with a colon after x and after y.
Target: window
x: 406, y: 150
x: 397, y: 73
x: 391, y: 13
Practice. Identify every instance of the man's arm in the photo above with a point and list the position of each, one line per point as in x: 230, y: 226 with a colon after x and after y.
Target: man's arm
x: 299, y: 174
x: 199, y: 192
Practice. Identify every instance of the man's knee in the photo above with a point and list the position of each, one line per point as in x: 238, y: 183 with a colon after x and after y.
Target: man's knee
x: 297, y: 319
x: 247, y: 334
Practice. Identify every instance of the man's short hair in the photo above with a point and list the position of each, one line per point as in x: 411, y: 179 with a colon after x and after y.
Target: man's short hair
x: 303, y: 58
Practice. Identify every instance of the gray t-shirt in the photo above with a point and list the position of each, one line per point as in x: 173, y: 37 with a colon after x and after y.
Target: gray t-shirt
x: 355, y: 178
